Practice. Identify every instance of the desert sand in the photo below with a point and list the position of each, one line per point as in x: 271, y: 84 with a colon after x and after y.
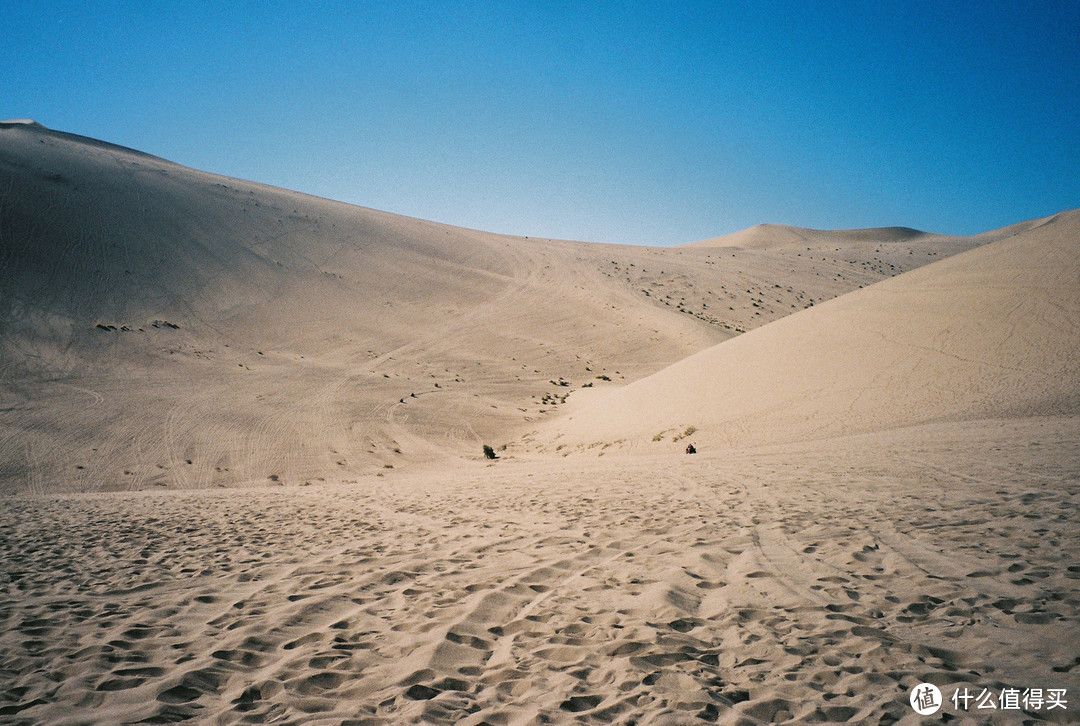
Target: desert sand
x: 240, y: 453
x: 988, y: 333
x: 137, y: 296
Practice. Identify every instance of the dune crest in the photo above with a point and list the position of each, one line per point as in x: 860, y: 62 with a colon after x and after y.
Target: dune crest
x: 782, y: 235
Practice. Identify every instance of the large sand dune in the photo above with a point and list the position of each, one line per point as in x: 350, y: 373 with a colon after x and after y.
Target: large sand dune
x: 988, y: 333
x: 161, y: 326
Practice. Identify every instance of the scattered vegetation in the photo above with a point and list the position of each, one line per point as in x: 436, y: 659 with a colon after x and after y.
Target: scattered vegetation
x: 489, y: 452
x: 688, y: 431
x: 550, y: 400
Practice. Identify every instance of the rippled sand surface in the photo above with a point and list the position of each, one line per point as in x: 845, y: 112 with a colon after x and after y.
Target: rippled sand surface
x: 812, y: 583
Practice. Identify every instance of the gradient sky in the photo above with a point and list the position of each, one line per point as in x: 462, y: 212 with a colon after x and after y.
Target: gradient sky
x: 642, y: 123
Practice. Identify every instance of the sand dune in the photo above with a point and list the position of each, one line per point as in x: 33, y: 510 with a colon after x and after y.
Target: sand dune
x: 782, y: 235
x: 160, y: 326
x: 885, y: 240
x: 984, y: 334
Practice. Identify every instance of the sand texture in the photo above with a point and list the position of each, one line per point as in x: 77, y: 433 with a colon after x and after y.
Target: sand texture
x: 768, y: 587
x: 242, y: 480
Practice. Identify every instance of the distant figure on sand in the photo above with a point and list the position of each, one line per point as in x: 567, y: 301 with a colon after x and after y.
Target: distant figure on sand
x: 691, y: 449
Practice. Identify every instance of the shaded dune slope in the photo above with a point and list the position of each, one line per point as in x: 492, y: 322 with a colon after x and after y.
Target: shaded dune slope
x: 986, y: 334
x: 164, y: 326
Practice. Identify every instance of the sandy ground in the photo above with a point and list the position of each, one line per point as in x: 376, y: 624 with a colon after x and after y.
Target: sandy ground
x: 800, y: 583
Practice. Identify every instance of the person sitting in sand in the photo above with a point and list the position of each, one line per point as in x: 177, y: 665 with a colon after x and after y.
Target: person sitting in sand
x: 691, y: 449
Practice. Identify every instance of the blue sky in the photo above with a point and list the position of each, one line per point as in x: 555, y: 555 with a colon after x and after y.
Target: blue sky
x: 642, y: 123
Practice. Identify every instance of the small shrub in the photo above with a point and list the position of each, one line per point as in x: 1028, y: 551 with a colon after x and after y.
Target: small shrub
x: 489, y: 452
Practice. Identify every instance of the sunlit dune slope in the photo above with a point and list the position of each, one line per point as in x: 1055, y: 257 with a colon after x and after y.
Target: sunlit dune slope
x: 989, y: 333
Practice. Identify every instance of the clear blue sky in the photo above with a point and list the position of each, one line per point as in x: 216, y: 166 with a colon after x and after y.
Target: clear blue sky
x: 645, y: 123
